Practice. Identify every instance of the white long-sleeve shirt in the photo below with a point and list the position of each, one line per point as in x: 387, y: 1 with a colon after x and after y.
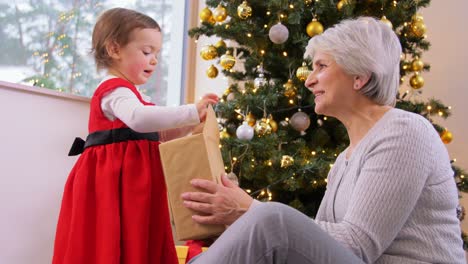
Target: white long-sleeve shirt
x: 170, y: 121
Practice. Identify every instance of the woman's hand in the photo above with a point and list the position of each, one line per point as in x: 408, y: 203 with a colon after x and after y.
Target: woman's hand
x: 207, y: 99
x: 219, y: 203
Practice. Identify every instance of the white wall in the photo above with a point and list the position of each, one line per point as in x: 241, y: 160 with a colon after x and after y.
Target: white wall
x: 37, y: 130
x: 448, y: 79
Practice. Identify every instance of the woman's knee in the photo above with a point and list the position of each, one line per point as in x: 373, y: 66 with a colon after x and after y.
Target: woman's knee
x: 271, y: 213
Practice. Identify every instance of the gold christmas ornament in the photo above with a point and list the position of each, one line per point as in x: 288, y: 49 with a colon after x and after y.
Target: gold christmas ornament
x: 286, y: 161
x: 273, y: 124
x: 418, y: 28
x: 206, y: 15
x: 417, y: 18
x: 262, y: 127
x: 446, y: 136
x: 227, y: 61
x: 208, y: 52
x: 227, y: 91
x: 220, y: 13
x: 223, y: 133
x: 244, y: 10
x: 386, y: 21
x: 212, y: 72
x: 416, y: 81
x: 303, y: 72
x: 289, y: 89
x: 250, y: 119
x: 314, y: 28
x: 220, y: 44
x: 341, y: 3
x: 417, y: 65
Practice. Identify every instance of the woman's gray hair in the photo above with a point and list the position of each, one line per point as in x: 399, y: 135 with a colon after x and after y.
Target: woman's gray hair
x: 364, y: 47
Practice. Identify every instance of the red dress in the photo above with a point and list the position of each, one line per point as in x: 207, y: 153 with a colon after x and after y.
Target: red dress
x: 114, y: 206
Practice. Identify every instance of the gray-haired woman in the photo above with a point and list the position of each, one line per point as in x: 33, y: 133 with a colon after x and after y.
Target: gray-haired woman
x: 391, y: 196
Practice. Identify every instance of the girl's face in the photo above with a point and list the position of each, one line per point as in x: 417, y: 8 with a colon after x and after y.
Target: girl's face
x: 330, y: 84
x: 137, y: 60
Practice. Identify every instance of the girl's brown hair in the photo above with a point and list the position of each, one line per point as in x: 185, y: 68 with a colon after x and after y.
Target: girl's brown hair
x: 115, y: 26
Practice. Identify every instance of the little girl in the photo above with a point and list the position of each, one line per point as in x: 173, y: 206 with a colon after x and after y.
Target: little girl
x: 114, y: 207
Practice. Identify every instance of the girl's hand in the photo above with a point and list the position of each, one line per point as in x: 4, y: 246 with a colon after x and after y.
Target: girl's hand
x: 203, y: 104
x: 218, y: 203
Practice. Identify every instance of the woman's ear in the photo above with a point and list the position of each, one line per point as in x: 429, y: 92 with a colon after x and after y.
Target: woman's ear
x: 113, y: 49
x: 360, y: 81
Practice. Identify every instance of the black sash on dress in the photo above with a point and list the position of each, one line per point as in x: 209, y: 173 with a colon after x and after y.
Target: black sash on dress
x: 108, y: 137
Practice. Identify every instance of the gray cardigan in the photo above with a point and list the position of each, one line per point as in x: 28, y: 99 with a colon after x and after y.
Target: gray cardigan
x: 394, y: 200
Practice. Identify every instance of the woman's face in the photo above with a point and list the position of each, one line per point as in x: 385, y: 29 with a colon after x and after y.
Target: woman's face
x: 330, y: 84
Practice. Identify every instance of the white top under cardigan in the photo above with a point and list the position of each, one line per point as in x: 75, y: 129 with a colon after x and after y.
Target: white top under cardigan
x: 170, y: 121
x: 395, y: 199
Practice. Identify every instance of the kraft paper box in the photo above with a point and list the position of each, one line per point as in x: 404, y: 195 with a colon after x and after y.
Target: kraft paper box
x: 187, y: 158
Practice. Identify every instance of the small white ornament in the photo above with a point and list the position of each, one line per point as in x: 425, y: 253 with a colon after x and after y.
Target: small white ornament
x: 244, y: 131
x: 260, y: 81
x: 278, y: 33
x: 231, y: 96
x: 300, y: 121
x: 319, y: 122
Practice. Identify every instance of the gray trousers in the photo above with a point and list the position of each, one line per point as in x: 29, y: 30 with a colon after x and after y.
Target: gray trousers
x: 274, y: 233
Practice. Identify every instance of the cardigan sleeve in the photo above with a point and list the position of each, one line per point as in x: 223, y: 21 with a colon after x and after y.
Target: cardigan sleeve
x: 391, y: 179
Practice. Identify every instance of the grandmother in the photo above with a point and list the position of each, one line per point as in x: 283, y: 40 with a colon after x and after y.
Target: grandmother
x: 391, y: 195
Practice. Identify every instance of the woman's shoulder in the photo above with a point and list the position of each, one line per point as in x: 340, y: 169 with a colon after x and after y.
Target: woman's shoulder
x: 408, y: 121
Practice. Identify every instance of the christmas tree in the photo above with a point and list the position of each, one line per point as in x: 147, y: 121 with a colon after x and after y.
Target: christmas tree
x: 271, y: 138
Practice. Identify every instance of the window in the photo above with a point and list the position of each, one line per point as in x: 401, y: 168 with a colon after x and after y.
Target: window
x: 47, y: 44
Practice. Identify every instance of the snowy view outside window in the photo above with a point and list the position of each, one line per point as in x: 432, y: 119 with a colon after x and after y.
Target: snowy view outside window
x: 47, y: 43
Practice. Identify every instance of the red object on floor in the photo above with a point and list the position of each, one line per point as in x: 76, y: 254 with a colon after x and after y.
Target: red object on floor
x: 194, y: 248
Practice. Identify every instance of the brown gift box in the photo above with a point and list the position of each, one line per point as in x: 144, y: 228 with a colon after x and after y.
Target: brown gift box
x: 190, y: 157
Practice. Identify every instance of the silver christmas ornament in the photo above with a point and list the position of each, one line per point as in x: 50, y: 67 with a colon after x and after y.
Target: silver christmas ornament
x: 278, y: 33
x: 244, y: 131
x: 300, y: 121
